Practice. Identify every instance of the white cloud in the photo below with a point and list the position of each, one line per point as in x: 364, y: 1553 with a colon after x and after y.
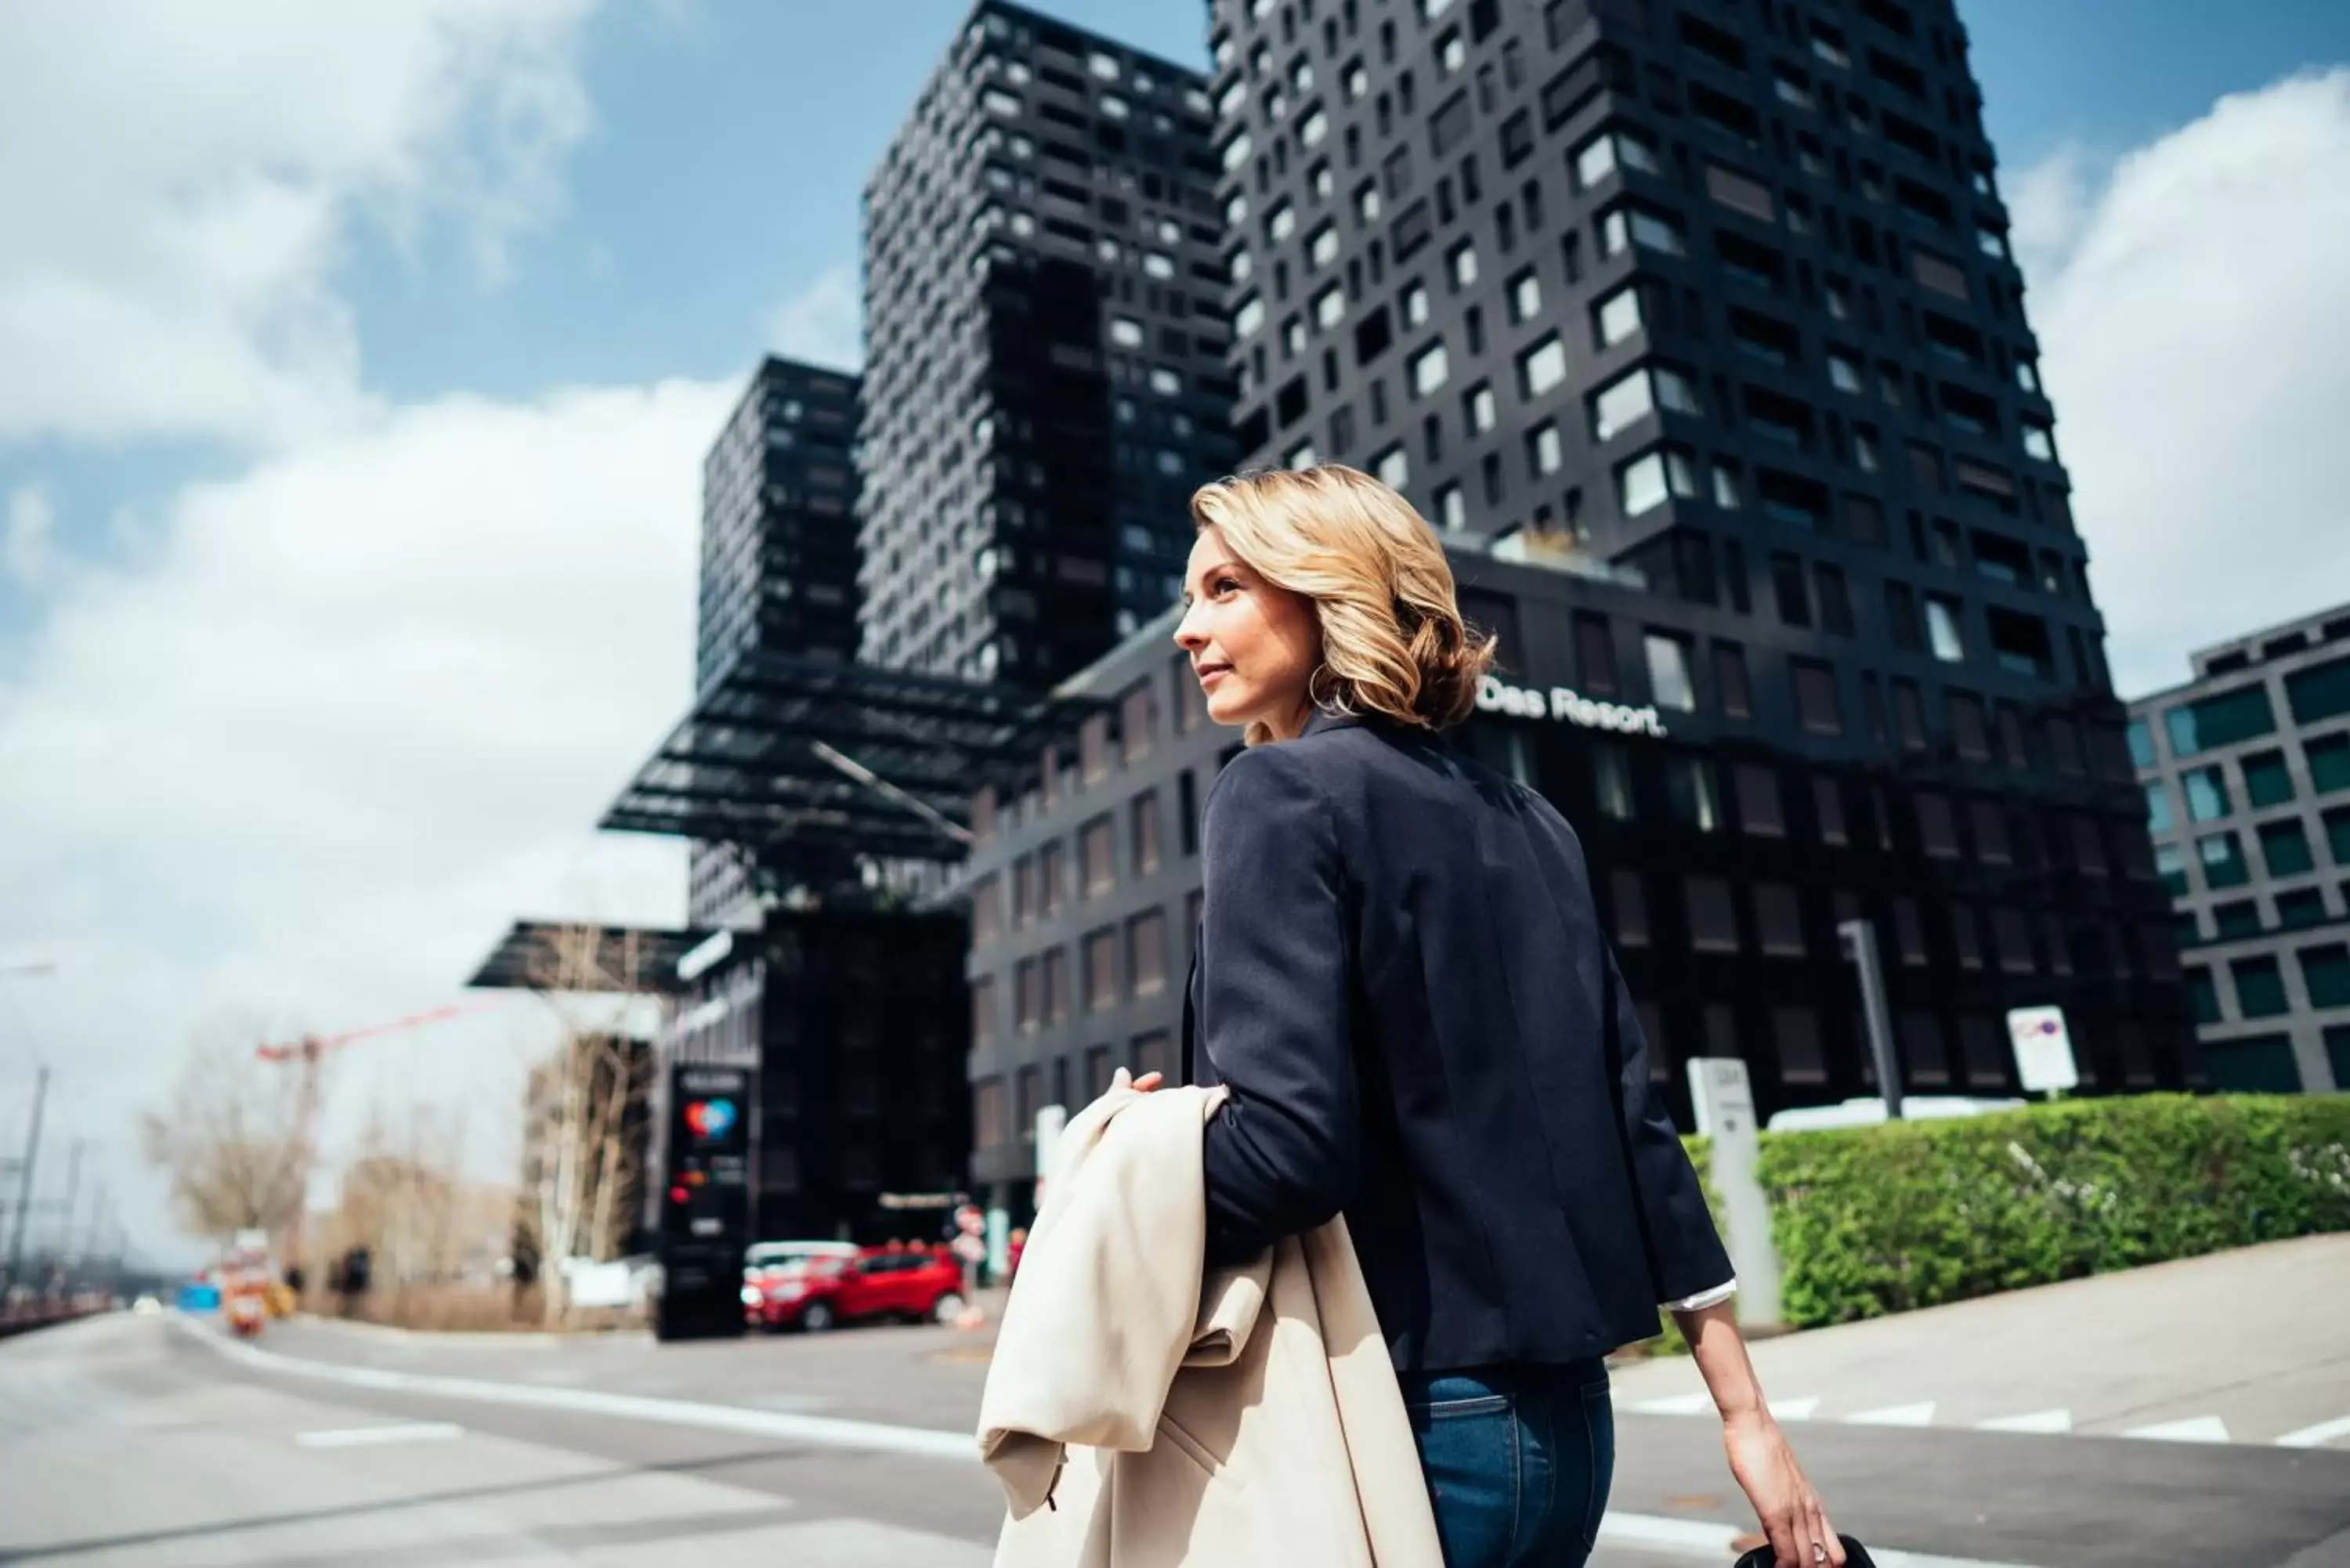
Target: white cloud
x: 27, y: 548
x: 2196, y: 343
x: 182, y: 181
x: 823, y: 323
x: 358, y: 709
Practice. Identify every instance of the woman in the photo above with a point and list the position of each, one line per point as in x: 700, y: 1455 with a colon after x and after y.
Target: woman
x: 1403, y: 983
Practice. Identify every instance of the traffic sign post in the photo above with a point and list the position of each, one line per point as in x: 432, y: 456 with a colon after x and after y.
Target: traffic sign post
x: 2043, y: 1050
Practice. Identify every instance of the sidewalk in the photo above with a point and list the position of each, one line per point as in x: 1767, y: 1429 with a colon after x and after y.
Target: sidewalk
x: 2249, y: 1346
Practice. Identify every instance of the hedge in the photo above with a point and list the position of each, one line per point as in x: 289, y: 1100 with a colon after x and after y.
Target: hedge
x: 1886, y: 1219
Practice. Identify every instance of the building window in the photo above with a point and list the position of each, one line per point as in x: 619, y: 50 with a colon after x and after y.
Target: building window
x: 1414, y: 305
x: 1542, y: 367
x: 2319, y: 693
x: 1758, y: 810
x: 1943, y: 629
x: 2284, y: 847
x: 1795, y: 1032
x: 1712, y: 922
x: 1430, y: 368
x: 1816, y: 701
x: 1525, y: 296
x: 1688, y: 785
x: 1101, y: 968
x: 2301, y: 907
x: 1778, y: 920
x: 1621, y: 227
x: 1617, y: 316
x: 2223, y: 860
x: 2207, y: 793
x: 1146, y: 833
x: 2326, y: 973
x: 982, y: 1011
x: 1649, y: 480
x: 2259, y: 987
x: 1669, y: 685
x: 1730, y: 687
x: 1827, y: 803
x: 1600, y: 157
x: 2243, y: 715
x: 2158, y: 807
x: 1146, y: 950
x: 2267, y: 780
x: 1937, y: 832
x: 1097, y: 856
x: 987, y: 1112
x: 1057, y: 984
x: 1478, y: 406
x: 986, y: 911
x: 1545, y: 453
x: 1027, y: 999
x: 1460, y: 264
x: 1452, y: 507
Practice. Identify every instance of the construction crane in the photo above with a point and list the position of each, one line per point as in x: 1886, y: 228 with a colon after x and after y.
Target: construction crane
x: 308, y: 1052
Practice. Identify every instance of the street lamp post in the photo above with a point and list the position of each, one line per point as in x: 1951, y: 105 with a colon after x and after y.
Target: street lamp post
x: 1859, y: 940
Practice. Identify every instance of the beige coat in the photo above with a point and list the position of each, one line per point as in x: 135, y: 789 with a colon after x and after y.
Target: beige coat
x: 1138, y: 1417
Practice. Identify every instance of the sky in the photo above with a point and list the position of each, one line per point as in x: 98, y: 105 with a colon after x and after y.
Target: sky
x: 357, y: 363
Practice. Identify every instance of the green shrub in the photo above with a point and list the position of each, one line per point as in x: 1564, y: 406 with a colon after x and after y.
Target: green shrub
x: 1871, y: 1221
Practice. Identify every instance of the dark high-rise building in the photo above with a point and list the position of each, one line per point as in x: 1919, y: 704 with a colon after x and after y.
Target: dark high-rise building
x: 1045, y: 363
x: 778, y: 561
x: 1693, y: 328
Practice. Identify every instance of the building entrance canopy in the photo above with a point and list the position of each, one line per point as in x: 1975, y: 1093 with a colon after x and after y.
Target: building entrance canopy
x: 782, y: 755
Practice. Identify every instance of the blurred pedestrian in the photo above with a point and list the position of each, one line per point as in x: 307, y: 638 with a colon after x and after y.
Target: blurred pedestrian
x: 1016, y: 1244
x: 1401, y: 980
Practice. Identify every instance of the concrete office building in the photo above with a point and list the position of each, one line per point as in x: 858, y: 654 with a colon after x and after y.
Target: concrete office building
x: 1694, y: 327
x: 779, y: 563
x: 2246, y: 769
x: 1045, y: 364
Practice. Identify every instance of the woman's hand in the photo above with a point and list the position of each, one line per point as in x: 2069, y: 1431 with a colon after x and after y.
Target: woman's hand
x: 1766, y: 1471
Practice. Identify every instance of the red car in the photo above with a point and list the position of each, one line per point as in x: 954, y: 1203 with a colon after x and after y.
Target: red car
x: 817, y: 1292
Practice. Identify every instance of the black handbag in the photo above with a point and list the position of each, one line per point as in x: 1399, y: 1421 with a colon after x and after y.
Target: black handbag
x: 1856, y: 1555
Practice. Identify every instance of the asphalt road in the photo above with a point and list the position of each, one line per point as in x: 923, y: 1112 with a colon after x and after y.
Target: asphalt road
x: 150, y: 1441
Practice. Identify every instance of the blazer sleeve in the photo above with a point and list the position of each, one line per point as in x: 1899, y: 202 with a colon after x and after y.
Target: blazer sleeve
x: 1274, y: 1008
x: 1685, y: 1252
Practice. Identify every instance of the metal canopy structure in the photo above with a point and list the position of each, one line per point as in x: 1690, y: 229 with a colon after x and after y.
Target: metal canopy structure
x: 575, y: 956
x: 785, y: 756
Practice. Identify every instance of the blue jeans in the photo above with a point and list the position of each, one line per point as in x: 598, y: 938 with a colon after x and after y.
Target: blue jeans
x: 1518, y: 1461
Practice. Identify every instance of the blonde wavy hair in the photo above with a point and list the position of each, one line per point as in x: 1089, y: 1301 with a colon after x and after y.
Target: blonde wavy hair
x: 1393, y: 641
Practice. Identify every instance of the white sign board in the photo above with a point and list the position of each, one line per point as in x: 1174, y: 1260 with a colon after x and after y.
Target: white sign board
x: 2043, y: 1051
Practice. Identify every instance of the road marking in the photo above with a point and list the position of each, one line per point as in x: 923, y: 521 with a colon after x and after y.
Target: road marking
x: 1692, y: 1537
x: 1673, y: 1405
x: 2037, y: 1421
x: 2194, y: 1429
x: 364, y: 1437
x: 2312, y: 1436
x: 827, y: 1431
x: 1918, y: 1415
x: 1795, y: 1409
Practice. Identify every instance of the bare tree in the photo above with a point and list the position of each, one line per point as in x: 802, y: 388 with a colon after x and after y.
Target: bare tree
x: 229, y: 1143
x: 585, y: 1109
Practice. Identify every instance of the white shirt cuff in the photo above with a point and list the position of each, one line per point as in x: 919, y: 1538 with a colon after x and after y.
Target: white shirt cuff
x: 1704, y: 1299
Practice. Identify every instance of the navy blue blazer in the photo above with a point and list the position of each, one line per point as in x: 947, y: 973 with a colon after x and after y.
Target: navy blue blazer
x: 1402, y: 977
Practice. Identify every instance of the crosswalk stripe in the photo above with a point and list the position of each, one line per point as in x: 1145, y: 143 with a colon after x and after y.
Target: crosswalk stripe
x: 2037, y: 1421
x: 1674, y: 1405
x: 2194, y: 1429
x: 1795, y: 1409
x: 1918, y: 1415
x: 2312, y: 1437
x: 367, y: 1436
